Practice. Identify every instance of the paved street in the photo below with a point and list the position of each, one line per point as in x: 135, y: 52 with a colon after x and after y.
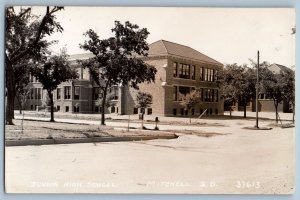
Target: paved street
x: 239, y: 162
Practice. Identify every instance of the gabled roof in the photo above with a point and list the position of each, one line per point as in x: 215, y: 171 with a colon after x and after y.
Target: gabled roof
x: 163, y: 48
x: 276, y: 68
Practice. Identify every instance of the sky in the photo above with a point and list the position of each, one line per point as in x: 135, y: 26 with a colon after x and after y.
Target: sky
x: 228, y: 35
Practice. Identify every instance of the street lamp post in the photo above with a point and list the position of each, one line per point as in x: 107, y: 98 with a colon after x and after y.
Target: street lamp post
x: 257, y: 84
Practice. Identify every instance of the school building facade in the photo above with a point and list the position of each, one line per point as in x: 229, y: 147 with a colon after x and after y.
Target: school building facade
x: 180, y: 70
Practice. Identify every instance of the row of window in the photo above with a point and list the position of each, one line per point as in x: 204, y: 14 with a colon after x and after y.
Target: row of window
x: 113, y: 109
x: 186, y: 71
x: 142, y: 110
x: 182, y: 111
x: 113, y: 91
x: 35, y: 93
x: 206, y: 94
x: 67, y: 92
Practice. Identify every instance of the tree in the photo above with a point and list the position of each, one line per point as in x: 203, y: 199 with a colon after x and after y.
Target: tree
x: 287, y: 79
x: 117, y: 60
x: 52, y: 72
x: 25, y: 41
x: 237, y: 84
x: 246, y: 90
x: 21, y: 86
x: 108, y: 102
x: 22, y: 98
x: 144, y: 100
x: 190, y: 100
x: 273, y: 88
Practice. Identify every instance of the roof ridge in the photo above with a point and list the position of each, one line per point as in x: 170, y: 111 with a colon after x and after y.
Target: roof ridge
x: 164, y: 45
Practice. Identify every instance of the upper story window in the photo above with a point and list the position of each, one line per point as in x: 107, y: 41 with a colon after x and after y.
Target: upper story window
x: 67, y: 90
x: 215, y: 75
x: 184, y: 71
x: 175, y: 66
x: 193, y: 72
x: 201, y: 73
x: 209, y: 74
x: 38, y: 93
x: 76, y: 92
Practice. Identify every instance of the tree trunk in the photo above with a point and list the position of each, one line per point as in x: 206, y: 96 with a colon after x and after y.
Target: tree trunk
x: 293, y: 120
x: 51, y: 106
x: 142, y: 120
x: 21, y: 107
x: 276, y: 110
x: 245, y: 110
x: 103, y: 105
x: 10, y: 86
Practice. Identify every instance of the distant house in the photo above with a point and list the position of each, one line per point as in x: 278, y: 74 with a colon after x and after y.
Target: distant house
x: 180, y: 69
x: 265, y: 103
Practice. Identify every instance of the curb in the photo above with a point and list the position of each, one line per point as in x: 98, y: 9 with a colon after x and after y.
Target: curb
x: 85, y: 140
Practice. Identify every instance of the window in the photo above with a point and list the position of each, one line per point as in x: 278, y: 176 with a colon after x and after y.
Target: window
x: 215, y: 75
x: 175, y: 69
x: 67, y: 108
x: 135, y: 111
x: 31, y: 93
x: 35, y: 107
x: 216, y: 111
x: 182, y: 111
x: 76, y: 92
x: 193, y: 72
x: 201, y: 74
x: 38, y: 93
x: 201, y: 111
x: 96, y: 109
x: 184, y: 71
x: 112, y: 109
x: 114, y: 92
x: 186, y: 112
x: 67, y: 90
x: 175, y: 93
x: 216, y: 96
x: 76, y: 109
x: 210, y: 111
x: 174, y: 111
x: 96, y: 93
x: 183, y: 91
x: 209, y: 95
x: 201, y: 94
x: 193, y: 111
x: 58, y: 93
x: 211, y: 78
x: 31, y: 107
x: 206, y: 74
x: 58, y: 108
x: 180, y: 70
x: 149, y: 111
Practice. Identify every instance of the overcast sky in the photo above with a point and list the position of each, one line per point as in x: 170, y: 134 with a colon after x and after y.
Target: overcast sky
x: 227, y: 35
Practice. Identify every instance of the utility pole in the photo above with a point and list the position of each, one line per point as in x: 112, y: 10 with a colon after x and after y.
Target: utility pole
x: 257, y: 84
